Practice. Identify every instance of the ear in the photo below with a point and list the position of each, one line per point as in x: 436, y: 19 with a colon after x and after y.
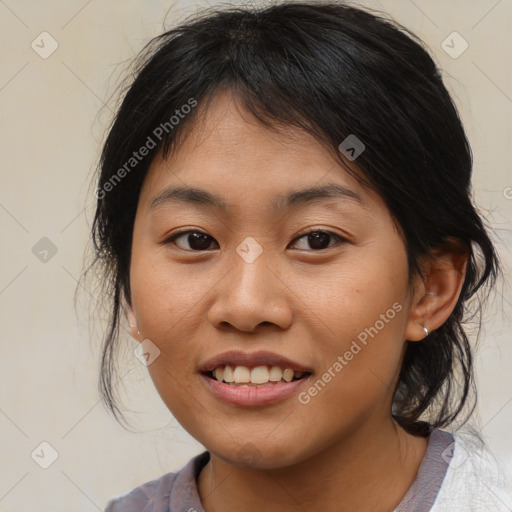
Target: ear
x: 437, y: 290
x: 132, y: 320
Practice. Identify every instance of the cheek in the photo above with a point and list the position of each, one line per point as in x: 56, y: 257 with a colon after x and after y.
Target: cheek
x: 167, y: 309
x: 366, y: 290
x: 365, y: 311
x: 166, y: 295
x: 360, y: 367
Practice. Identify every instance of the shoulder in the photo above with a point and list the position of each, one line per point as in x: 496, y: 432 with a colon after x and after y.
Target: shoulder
x: 144, y: 497
x: 156, y: 495
x: 474, y: 478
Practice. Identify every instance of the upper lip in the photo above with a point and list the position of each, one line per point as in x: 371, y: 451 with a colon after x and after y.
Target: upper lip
x: 250, y: 360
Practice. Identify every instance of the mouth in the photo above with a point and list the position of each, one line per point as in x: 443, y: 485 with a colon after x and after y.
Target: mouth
x: 253, y: 379
x: 254, y: 394
x: 257, y: 376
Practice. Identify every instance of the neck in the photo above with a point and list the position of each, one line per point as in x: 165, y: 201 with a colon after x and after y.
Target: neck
x: 371, y: 469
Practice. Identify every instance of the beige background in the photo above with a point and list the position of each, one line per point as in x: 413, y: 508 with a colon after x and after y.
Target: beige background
x: 52, y: 122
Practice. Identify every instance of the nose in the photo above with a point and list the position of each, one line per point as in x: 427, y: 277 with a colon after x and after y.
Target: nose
x: 251, y: 295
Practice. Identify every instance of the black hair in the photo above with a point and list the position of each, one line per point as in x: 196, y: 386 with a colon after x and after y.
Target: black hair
x: 333, y: 70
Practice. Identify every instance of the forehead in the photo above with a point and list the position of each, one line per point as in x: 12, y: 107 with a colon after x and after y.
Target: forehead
x: 228, y: 156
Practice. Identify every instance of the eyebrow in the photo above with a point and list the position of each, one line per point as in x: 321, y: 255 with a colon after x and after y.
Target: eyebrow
x: 192, y: 195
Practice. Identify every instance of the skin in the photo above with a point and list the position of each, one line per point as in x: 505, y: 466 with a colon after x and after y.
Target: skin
x: 342, y: 450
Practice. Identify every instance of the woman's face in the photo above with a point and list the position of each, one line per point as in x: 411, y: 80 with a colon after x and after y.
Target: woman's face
x: 335, y: 304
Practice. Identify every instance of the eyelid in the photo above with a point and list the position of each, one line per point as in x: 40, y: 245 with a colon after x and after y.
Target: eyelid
x: 314, y: 229
x: 184, y: 231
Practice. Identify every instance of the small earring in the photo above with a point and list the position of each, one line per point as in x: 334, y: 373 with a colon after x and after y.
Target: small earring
x: 426, y: 331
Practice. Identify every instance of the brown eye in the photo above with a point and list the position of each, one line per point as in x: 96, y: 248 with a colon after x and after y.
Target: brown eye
x: 196, y: 240
x: 318, y: 239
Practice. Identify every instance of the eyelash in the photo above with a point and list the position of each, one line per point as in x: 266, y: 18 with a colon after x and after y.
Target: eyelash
x: 342, y: 240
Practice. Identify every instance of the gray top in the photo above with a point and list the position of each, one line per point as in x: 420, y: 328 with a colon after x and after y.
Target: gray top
x: 177, y: 492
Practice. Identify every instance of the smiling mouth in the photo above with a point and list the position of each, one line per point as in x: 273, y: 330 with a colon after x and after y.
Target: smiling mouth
x: 258, y: 376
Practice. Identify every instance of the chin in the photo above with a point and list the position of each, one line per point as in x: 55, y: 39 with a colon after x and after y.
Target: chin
x: 260, y: 455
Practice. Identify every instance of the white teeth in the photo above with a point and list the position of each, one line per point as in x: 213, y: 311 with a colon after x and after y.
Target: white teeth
x: 276, y: 374
x: 288, y: 375
x: 242, y: 374
x: 219, y: 373
x: 228, y: 374
x: 257, y: 375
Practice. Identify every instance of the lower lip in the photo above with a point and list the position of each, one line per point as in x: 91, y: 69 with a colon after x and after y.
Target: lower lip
x: 252, y: 396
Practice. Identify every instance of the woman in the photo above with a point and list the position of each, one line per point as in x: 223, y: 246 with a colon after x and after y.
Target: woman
x: 284, y: 218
